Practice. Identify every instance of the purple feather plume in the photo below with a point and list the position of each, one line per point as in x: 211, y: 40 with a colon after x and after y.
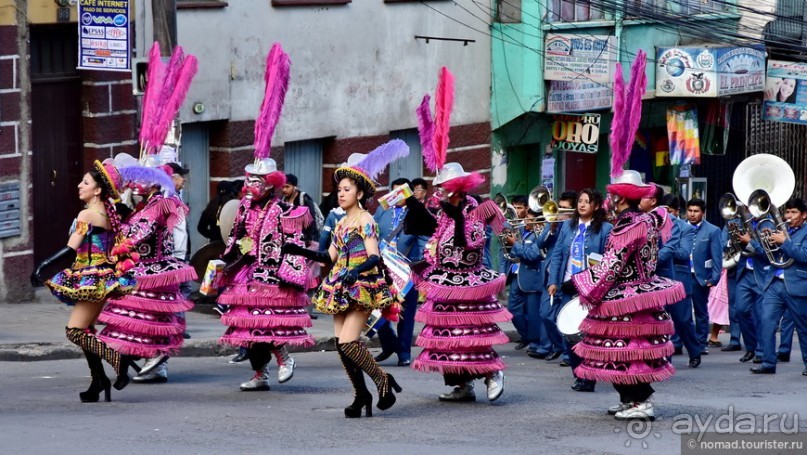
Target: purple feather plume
x: 633, y: 97
x: 617, y: 126
x: 376, y: 161
x: 426, y: 133
x: 278, y: 68
x: 155, y: 77
x: 149, y: 175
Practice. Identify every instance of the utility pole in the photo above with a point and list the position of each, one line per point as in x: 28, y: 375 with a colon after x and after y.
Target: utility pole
x: 164, y: 14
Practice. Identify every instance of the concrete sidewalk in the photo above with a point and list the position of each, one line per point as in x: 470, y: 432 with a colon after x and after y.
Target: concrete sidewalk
x: 35, y: 331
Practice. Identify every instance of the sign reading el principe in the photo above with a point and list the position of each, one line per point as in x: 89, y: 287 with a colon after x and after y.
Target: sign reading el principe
x: 104, y: 35
x: 709, y: 72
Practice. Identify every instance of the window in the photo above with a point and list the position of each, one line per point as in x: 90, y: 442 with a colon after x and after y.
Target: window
x: 590, y: 10
x: 200, y: 4
x: 410, y: 167
x: 304, y: 160
x: 309, y: 2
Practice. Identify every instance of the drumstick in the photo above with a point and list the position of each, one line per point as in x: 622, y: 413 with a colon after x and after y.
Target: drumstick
x: 551, y: 300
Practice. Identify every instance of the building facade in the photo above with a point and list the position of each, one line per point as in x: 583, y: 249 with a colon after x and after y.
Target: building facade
x: 540, y: 78
x: 359, y: 70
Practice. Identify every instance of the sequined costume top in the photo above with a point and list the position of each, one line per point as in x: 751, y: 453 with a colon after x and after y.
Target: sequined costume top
x: 92, y: 277
x: 370, y: 291
x: 627, y: 330
x: 264, y: 290
x: 461, y: 312
x: 151, y: 228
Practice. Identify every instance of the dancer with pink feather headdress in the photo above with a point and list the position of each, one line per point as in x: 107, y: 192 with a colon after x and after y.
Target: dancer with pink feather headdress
x: 461, y: 310
x: 145, y: 323
x: 627, y: 331
x: 264, y: 290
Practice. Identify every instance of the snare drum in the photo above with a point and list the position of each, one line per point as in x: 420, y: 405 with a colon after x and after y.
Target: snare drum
x: 569, y: 319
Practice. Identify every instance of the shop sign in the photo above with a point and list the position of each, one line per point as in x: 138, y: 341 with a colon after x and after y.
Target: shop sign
x: 580, y: 57
x: 576, y: 133
x: 104, y: 38
x: 785, y: 92
x: 709, y: 72
x: 578, y: 96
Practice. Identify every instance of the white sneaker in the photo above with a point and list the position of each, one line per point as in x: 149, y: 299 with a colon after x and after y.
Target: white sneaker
x: 153, y: 363
x: 638, y: 411
x: 460, y: 393
x: 285, y: 365
x: 159, y: 374
x: 258, y: 382
x: 495, y: 383
x: 620, y: 407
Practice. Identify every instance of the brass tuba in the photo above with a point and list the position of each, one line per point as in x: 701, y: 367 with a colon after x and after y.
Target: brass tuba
x: 766, y: 182
x: 738, y: 223
x: 509, y: 213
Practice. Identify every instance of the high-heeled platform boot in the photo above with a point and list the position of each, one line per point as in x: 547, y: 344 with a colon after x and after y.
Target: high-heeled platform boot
x: 356, y: 353
x: 99, y: 381
x: 361, y: 396
x: 87, y: 341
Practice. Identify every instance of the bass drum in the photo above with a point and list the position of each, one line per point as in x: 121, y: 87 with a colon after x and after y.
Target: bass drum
x: 205, y: 254
x: 227, y: 217
x: 569, y: 319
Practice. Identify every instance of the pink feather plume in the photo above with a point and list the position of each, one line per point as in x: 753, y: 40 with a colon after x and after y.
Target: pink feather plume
x: 166, y: 90
x: 444, y: 101
x: 182, y: 83
x: 627, y: 112
x: 154, y: 81
x: 426, y: 133
x: 278, y: 68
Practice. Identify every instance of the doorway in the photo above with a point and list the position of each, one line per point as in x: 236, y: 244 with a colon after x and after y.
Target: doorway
x: 56, y: 130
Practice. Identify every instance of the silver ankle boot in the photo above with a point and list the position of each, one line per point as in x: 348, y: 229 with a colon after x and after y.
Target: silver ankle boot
x: 463, y: 392
x: 495, y: 384
x: 285, y: 365
x: 258, y: 382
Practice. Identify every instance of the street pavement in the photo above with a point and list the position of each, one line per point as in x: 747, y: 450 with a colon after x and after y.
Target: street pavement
x: 202, y: 411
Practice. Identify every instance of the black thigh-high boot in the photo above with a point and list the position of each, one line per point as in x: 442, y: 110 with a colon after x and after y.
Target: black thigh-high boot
x: 361, y: 396
x: 99, y: 380
x: 356, y: 353
x: 89, y: 342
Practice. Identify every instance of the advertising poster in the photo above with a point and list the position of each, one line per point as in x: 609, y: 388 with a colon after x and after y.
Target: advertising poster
x: 589, y: 58
x: 785, y: 97
x: 578, y: 96
x: 576, y: 133
x: 103, y: 35
x: 709, y: 72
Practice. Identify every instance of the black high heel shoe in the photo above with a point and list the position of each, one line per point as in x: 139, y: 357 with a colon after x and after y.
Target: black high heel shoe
x: 123, y: 375
x: 387, y: 399
x: 354, y: 410
x: 92, y: 394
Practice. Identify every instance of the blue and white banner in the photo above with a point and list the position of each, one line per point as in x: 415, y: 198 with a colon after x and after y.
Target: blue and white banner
x: 104, y: 35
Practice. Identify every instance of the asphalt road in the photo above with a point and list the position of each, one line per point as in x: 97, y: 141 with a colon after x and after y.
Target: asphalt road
x: 201, y: 411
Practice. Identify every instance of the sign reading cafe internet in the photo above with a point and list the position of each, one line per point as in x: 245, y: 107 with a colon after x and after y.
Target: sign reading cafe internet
x: 576, y: 133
